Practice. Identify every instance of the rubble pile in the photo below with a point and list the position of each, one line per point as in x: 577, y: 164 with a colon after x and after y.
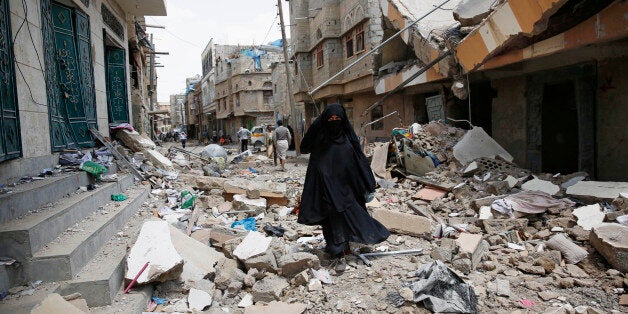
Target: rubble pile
x: 474, y: 233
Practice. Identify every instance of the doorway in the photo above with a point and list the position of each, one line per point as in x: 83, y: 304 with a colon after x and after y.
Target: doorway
x: 117, y: 99
x: 559, y: 128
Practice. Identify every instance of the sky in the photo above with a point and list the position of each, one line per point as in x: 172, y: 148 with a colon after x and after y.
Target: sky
x: 190, y: 25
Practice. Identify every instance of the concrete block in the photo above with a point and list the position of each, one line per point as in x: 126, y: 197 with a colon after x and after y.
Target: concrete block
x: 204, y: 183
x: 199, y: 299
x: 240, y: 186
x: 589, y: 216
x: 404, y: 223
x: 498, y: 226
x: 135, y: 141
x: 158, y: 160
x: 264, y: 262
x: 476, y: 143
x: 429, y: 194
x: 472, y: 12
x: 473, y: 246
x: 269, y: 289
x: 597, y: 191
x: 541, y: 186
x: 201, y: 235
x: 219, y: 235
x: 611, y: 241
x: 471, y: 169
x: 199, y: 259
x: 292, y: 264
x: 154, y: 245
x: 571, y: 252
x: 255, y: 243
x: 241, y: 202
x: 227, y: 271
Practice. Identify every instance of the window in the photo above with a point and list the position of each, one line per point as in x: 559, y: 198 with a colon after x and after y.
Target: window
x: 359, y: 38
x: 250, y: 83
x: 349, y: 44
x: 319, y: 56
x: 377, y: 113
x: 238, y: 100
x: 268, y: 96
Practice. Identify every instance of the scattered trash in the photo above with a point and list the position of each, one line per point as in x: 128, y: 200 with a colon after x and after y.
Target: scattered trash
x: 246, y: 224
x: 93, y: 168
x: 6, y: 261
x: 273, y: 231
x: 441, y: 290
x: 187, y: 199
x: 118, y: 197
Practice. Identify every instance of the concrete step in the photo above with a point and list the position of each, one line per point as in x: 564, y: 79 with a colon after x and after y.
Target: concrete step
x: 32, y: 195
x: 65, y: 256
x: 100, y: 280
x: 22, y: 237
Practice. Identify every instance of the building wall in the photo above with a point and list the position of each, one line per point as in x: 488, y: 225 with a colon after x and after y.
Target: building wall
x: 612, y: 110
x: 509, y: 116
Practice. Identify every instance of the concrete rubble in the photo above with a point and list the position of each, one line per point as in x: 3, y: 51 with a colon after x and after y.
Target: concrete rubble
x: 539, y: 242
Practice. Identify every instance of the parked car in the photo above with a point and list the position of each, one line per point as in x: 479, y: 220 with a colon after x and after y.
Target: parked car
x: 258, y: 136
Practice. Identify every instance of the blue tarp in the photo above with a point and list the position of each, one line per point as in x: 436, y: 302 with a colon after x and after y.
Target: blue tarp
x: 277, y: 43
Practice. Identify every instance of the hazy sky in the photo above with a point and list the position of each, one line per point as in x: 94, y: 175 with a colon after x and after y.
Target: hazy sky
x: 190, y: 25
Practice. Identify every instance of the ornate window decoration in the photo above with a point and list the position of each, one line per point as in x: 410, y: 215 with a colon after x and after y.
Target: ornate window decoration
x: 112, y: 21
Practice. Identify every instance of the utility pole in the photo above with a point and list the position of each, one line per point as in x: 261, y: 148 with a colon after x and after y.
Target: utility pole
x: 151, y: 90
x: 293, y: 111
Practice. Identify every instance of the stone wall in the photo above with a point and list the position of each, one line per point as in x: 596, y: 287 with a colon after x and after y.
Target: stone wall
x: 509, y: 116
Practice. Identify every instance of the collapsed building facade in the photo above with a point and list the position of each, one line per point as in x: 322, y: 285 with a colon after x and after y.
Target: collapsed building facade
x: 539, y: 76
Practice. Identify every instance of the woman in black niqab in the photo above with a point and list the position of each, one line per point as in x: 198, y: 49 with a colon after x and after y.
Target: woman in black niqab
x: 337, y: 181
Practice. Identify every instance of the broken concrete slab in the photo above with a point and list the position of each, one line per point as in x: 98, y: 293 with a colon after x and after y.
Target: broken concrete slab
x: 476, y: 143
x: 247, y: 300
x: 201, y: 235
x: 218, y: 235
x: 276, y: 308
x: 596, y: 191
x: 471, y: 169
x: 571, y: 252
x: 199, y: 258
x: 255, y: 243
x: 499, y: 226
x: 227, y: 271
x: 472, y: 246
x: 158, y: 160
x: 242, y: 202
x: 270, y: 288
x: 511, y: 181
x: 135, y: 141
x: 264, y: 262
x: 199, y: 299
x: 292, y: 264
x: 54, y: 303
x: 541, y: 186
x: 589, y: 216
x: 429, y: 194
x: 240, y: 186
x: 404, y: 223
x: 611, y: 241
x: 203, y: 183
x: 472, y: 12
x: 154, y: 245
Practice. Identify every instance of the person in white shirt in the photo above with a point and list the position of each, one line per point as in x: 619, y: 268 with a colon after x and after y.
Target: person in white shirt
x: 183, y: 137
x: 244, y: 135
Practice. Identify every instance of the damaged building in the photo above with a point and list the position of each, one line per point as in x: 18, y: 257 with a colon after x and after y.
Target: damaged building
x: 542, y: 77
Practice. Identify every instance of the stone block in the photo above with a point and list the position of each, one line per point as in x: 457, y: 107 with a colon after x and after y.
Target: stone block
x: 154, y: 245
x: 219, y: 235
x: 255, y: 243
x: 201, y: 235
x: 597, y: 191
x: 292, y: 264
x: 240, y: 186
x: 476, y: 143
x: 241, y: 202
x: 158, y: 160
x: 499, y: 226
x: 571, y: 252
x: 473, y: 246
x: 203, y: 182
x: 199, y: 258
x: 471, y: 169
x: 589, y: 216
x: 429, y: 194
x: 199, y: 299
x: 541, y: 186
x: 227, y: 271
x: 264, y: 262
x: 611, y: 241
x: 269, y: 289
x: 134, y: 140
x: 404, y: 223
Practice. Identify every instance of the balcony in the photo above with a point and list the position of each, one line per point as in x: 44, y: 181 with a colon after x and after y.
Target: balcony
x: 144, y: 7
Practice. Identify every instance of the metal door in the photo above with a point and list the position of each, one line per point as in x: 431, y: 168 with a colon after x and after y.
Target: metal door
x: 69, y: 76
x: 10, y: 143
x: 117, y: 100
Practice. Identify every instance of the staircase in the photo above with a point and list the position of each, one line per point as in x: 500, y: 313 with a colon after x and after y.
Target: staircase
x: 60, y: 234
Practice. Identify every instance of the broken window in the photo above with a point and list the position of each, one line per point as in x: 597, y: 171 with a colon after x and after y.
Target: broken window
x: 377, y: 113
x: 268, y: 96
x: 359, y: 38
x: 349, y: 44
x: 319, y: 56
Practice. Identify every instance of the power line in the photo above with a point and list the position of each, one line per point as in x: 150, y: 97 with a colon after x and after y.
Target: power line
x: 177, y: 36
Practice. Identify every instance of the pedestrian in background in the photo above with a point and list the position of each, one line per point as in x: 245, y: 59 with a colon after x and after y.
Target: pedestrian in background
x: 282, y: 138
x: 244, y: 135
x: 183, y: 137
x: 338, y: 184
x: 270, y: 144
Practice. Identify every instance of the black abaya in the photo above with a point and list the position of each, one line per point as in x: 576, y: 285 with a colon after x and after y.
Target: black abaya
x: 337, y: 179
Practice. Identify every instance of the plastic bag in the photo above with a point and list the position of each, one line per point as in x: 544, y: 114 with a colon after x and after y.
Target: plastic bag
x: 93, y: 168
x: 246, y: 223
x: 187, y: 199
x: 118, y: 197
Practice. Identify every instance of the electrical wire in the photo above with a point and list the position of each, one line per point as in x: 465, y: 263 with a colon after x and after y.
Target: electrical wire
x: 177, y: 36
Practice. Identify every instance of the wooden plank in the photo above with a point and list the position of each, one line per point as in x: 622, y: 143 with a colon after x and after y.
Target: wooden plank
x: 125, y: 163
x: 425, y: 181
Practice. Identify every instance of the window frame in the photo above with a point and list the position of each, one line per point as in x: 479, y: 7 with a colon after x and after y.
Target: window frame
x: 359, y: 31
x: 349, y: 46
x: 320, y: 56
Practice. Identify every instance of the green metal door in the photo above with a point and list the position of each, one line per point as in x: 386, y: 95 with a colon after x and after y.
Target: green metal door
x: 69, y: 76
x: 117, y: 100
x: 10, y: 144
